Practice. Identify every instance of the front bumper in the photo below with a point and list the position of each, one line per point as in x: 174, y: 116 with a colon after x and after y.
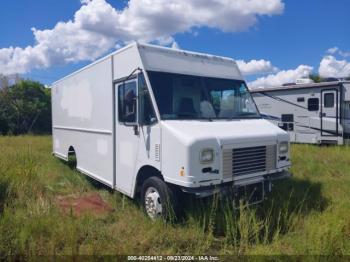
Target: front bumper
x: 229, y: 187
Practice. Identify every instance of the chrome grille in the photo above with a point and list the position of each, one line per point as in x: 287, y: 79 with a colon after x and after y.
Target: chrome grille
x: 248, y: 160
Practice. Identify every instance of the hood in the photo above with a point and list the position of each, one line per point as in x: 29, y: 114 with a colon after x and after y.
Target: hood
x: 225, y: 132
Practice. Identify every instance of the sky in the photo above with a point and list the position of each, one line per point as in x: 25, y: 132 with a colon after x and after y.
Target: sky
x: 272, y: 41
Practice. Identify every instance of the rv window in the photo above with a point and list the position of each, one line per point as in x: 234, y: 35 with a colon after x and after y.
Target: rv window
x: 301, y: 99
x: 283, y: 126
x: 287, y: 122
x: 329, y: 100
x: 290, y: 127
x: 127, y: 102
x: 287, y: 117
x: 313, y: 104
x: 286, y: 126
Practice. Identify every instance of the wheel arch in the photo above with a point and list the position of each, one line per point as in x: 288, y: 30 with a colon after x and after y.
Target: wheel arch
x: 144, y: 173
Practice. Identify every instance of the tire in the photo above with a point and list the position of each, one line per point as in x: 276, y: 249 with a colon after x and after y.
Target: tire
x: 159, y: 200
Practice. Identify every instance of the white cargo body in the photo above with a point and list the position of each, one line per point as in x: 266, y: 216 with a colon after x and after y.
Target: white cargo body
x: 152, y: 119
x: 312, y: 113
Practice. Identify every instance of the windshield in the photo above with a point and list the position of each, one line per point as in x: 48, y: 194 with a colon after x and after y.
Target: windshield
x: 195, y: 97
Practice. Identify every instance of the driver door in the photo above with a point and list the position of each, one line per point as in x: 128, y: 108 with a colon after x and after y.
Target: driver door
x: 127, y: 136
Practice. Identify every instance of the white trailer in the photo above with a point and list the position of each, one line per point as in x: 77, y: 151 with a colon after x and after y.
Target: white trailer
x: 315, y: 113
x: 154, y: 122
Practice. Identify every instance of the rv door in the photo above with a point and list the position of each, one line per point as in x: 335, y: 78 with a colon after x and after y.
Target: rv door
x: 329, y: 113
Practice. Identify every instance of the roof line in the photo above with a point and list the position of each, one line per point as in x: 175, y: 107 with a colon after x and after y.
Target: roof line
x: 142, y: 45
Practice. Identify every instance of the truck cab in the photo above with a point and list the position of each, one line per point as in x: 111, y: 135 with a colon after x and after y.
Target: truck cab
x: 204, y: 133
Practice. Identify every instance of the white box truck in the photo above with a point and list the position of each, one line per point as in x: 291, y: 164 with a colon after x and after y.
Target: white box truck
x: 151, y: 121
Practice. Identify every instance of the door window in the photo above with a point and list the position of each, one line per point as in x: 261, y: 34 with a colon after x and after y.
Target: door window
x: 127, y: 102
x: 329, y: 100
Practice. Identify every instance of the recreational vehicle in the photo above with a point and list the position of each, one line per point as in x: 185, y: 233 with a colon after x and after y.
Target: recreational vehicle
x: 315, y: 113
x: 157, y: 123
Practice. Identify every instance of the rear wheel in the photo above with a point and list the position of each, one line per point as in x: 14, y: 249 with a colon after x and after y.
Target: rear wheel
x: 158, y: 199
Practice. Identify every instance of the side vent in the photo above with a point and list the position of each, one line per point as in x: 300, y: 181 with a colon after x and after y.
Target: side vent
x: 157, y: 152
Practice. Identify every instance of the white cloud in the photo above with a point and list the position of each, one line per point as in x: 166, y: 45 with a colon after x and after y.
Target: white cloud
x: 332, y: 50
x: 336, y: 51
x: 254, y: 67
x: 344, y: 53
x: 331, y: 67
x: 98, y: 27
x: 282, y: 77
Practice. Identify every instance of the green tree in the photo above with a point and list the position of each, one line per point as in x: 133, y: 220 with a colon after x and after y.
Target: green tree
x: 25, y: 107
x: 315, y: 77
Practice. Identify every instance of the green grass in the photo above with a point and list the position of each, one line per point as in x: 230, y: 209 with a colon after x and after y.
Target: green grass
x: 307, y: 214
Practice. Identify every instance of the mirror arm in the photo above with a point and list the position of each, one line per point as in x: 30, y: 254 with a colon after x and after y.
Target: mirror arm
x: 136, y: 130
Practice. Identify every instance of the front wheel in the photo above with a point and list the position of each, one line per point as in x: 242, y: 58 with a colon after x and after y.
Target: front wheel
x: 158, y: 199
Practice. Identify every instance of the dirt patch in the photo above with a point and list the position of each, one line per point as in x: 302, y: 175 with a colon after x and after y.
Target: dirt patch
x: 79, y: 205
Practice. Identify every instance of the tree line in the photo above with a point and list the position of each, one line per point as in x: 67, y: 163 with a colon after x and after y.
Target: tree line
x: 25, y: 107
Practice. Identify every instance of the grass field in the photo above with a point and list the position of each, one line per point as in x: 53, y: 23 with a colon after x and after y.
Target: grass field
x: 307, y: 214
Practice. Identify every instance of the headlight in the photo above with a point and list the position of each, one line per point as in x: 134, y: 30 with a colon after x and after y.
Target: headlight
x: 206, y: 155
x: 283, y: 148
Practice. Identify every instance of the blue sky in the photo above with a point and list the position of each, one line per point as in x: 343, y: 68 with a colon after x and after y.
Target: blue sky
x: 276, y: 39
